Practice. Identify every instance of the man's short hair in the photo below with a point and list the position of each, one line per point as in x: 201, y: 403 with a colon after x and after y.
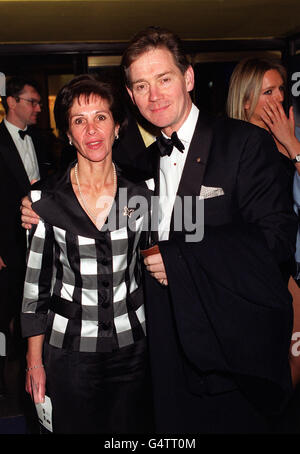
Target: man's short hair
x: 15, y: 87
x: 154, y: 38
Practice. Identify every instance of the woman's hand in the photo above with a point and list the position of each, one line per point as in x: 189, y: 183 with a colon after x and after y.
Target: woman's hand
x: 35, y: 383
x: 282, y: 129
x: 281, y: 126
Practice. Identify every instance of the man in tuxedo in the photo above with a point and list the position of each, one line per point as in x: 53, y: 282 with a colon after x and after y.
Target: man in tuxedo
x: 23, y: 157
x: 219, y: 314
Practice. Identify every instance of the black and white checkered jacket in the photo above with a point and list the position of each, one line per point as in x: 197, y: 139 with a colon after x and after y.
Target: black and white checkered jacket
x: 83, y: 285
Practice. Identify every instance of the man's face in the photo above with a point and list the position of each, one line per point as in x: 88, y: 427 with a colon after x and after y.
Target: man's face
x: 23, y: 110
x: 160, y: 90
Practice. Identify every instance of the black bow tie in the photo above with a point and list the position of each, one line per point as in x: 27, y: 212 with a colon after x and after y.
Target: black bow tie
x: 23, y: 133
x: 166, y: 145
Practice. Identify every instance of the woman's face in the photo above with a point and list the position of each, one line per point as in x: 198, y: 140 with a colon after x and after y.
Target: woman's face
x: 272, y: 90
x: 92, y: 129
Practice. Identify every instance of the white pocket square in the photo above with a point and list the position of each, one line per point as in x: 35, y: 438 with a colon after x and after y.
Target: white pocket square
x: 150, y: 184
x: 207, y: 192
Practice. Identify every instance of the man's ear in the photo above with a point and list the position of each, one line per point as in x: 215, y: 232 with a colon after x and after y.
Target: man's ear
x: 11, y: 102
x: 189, y: 78
x: 130, y: 94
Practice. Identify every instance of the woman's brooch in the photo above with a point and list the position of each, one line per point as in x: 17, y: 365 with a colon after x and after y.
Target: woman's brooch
x: 128, y: 211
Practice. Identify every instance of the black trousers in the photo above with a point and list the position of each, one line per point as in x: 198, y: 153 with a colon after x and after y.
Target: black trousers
x: 94, y: 393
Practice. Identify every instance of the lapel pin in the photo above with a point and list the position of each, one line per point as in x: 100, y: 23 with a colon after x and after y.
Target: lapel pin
x: 128, y: 211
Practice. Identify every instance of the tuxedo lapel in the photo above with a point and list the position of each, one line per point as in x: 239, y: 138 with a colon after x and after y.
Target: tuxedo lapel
x: 193, y: 173
x: 156, y: 176
x: 12, y: 159
x: 195, y: 164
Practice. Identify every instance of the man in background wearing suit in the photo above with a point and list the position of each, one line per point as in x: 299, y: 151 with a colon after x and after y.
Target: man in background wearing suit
x: 23, y: 158
x: 218, y: 310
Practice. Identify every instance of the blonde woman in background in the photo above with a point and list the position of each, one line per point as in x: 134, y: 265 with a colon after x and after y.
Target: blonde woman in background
x: 256, y: 94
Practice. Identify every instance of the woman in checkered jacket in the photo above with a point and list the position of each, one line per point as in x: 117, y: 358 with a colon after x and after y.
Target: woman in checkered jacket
x: 83, y: 305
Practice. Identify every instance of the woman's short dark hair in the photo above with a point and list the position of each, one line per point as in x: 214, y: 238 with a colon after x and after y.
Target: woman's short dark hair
x: 154, y: 38
x: 86, y: 85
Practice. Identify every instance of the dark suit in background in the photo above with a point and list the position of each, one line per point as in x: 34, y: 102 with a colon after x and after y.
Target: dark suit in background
x: 14, y: 184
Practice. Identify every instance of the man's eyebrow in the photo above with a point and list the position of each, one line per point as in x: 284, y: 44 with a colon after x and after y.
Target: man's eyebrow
x: 157, y: 76
x: 138, y: 81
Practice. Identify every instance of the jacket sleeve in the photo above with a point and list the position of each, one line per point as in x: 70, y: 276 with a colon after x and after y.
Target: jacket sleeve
x: 264, y: 195
x: 38, y: 280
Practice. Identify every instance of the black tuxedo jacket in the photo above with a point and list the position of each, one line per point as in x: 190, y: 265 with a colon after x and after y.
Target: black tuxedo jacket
x: 244, y: 162
x: 14, y: 184
x: 198, y: 327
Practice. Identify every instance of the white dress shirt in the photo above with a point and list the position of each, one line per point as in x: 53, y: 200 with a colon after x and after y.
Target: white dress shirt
x: 26, y: 151
x: 171, y: 168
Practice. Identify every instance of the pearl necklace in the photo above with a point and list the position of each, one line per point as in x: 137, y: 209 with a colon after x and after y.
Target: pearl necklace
x: 92, y: 215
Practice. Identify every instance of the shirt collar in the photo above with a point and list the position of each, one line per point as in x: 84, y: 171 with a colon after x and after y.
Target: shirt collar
x: 13, y: 129
x: 186, y: 131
